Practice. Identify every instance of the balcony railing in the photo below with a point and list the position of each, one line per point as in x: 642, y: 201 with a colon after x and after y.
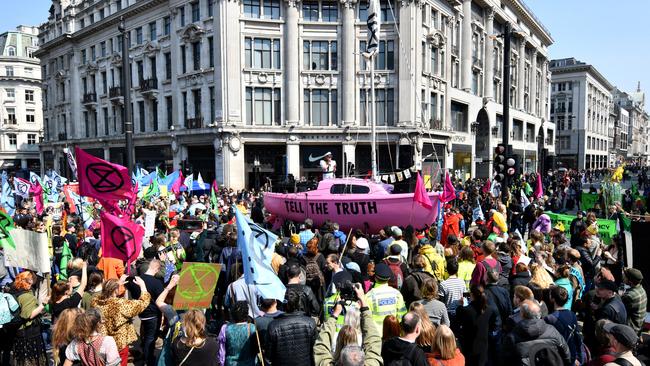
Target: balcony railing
x: 115, y: 92
x: 89, y: 98
x: 11, y: 121
x: 148, y: 85
x: 193, y: 123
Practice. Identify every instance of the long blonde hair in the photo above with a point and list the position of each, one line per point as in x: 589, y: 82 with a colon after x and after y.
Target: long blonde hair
x: 428, y: 328
x: 444, y: 343
x: 63, y: 330
x: 540, y: 277
x: 194, y: 326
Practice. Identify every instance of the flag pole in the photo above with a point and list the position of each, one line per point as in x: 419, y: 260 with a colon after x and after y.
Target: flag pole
x: 373, y: 117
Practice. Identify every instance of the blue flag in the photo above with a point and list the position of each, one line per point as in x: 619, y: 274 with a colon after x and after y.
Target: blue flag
x: 257, y: 246
x: 8, y: 199
x: 440, y: 220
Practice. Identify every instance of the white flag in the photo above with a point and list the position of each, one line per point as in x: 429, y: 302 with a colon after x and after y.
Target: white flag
x: 188, y: 182
x: 373, y: 23
x: 71, y: 161
x: 21, y: 187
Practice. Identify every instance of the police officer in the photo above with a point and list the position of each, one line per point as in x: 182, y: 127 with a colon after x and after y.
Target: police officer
x: 382, y: 299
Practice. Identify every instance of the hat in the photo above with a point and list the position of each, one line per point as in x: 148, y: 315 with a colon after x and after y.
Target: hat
x: 353, y: 266
x: 328, y: 153
x: 634, y: 275
x: 581, y: 213
x: 592, y: 229
x: 559, y: 227
x: 362, y: 243
x: 607, y: 285
x: 622, y: 333
x: 396, y: 231
x: 294, y: 239
x: 383, y: 272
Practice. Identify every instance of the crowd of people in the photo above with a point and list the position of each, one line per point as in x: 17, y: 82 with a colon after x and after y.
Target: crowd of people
x: 502, y: 286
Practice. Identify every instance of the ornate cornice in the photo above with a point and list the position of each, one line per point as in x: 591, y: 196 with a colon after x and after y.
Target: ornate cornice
x: 192, y: 33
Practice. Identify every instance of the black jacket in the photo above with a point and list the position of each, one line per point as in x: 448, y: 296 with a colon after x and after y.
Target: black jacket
x: 519, y: 279
x: 412, y: 285
x: 290, y: 340
x: 395, y: 348
x: 528, y: 333
x: 499, y: 297
x: 587, y: 262
x: 308, y: 300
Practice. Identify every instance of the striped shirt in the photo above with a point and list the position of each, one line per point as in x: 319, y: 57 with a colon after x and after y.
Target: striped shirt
x: 451, y: 291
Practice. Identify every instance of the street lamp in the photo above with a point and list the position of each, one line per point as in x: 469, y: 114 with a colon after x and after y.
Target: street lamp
x: 126, y: 92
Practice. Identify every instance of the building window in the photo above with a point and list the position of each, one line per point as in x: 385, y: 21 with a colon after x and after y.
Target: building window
x: 518, y: 130
x: 210, y: 8
x: 181, y: 15
x: 83, y: 56
x: 167, y: 26
x: 29, y: 96
x: 196, y: 12
x: 13, y: 139
x: 459, y: 117
x: 196, y: 55
x: 386, y: 12
x: 11, y: 51
x: 141, y: 116
x: 263, y: 106
x: 154, y: 114
x: 363, y: 10
x: 330, y: 11
x: 170, y: 111
x: 11, y: 116
x: 320, y: 55
x: 272, y: 9
x: 321, y: 108
x: 211, y: 51
x: 138, y: 35
x: 385, y: 59
x: 102, y: 13
x: 384, y: 107
x: 105, y: 114
x: 184, y: 95
x: 212, y: 104
x: 262, y: 53
x: 168, y: 65
x: 252, y: 8
x: 30, y: 116
x: 31, y: 139
x: 9, y: 70
x: 310, y: 11
x: 152, y: 31
x: 183, y: 59
x: 434, y: 60
x: 11, y: 93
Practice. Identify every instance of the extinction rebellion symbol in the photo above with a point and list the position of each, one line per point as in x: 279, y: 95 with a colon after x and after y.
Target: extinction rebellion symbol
x: 122, y: 237
x: 104, y: 178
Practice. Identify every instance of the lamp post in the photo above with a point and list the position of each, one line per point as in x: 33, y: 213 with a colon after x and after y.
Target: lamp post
x: 126, y: 92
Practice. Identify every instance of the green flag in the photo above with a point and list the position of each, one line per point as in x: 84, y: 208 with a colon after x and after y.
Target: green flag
x: 527, y: 189
x: 214, y: 202
x: 588, y: 200
x: 6, y: 225
x: 66, y: 256
x: 152, y: 191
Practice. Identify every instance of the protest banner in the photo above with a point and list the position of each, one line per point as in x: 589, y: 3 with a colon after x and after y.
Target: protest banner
x: 31, y: 251
x: 588, y: 201
x: 55, y: 209
x: 149, y: 222
x: 606, y: 228
x: 196, y: 285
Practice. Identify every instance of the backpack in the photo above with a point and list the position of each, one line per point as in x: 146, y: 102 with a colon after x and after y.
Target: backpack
x: 313, y: 274
x: 542, y: 354
x: 492, y: 274
x: 16, y: 321
x: 397, y: 279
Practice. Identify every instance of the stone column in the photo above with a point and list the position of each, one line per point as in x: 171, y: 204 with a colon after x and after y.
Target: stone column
x: 533, y: 84
x: 488, y: 86
x: 407, y: 68
x: 293, y: 158
x: 466, y: 47
x: 521, y: 75
x: 347, y: 74
x: 291, y: 64
x: 107, y: 154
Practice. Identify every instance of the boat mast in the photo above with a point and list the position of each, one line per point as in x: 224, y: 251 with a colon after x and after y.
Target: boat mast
x: 373, y: 119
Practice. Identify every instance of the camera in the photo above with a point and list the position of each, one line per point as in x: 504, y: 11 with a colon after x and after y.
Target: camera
x: 347, y: 292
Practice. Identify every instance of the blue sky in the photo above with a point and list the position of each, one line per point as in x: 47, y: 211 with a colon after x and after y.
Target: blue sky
x: 612, y: 36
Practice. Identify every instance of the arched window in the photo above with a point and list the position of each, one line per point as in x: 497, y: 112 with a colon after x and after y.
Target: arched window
x: 11, y: 51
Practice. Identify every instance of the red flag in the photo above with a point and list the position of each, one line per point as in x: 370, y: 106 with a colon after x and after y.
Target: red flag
x: 37, y: 192
x: 215, y: 186
x: 539, y: 190
x: 486, y: 187
x: 121, y: 238
x: 448, y: 191
x: 101, y: 179
x: 421, y: 196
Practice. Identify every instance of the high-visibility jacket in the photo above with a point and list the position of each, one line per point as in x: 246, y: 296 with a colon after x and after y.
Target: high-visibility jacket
x: 384, y: 300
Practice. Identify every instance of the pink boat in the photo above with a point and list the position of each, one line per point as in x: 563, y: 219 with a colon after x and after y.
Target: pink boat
x: 352, y: 203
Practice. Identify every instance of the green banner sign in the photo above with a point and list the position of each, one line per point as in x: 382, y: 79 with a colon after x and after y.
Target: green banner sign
x: 606, y: 228
x: 588, y: 201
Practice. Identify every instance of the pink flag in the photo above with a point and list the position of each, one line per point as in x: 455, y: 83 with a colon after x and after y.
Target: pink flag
x: 539, y: 190
x: 37, y: 192
x: 101, y: 179
x: 121, y: 238
x: 215, y: 185
x: 486, y: 187
x: 176, y: 185
x: 448, y: 191
x: 421, y: 196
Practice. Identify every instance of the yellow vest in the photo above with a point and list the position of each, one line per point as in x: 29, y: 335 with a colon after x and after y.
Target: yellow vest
x: 384, y: 300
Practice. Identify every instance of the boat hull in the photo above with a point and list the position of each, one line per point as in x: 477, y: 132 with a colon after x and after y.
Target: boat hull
x: 353, y: 211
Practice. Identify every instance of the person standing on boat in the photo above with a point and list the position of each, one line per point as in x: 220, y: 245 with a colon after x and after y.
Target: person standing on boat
x: 328, y: 166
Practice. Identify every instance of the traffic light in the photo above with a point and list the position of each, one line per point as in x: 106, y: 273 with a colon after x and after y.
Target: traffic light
x: 512, y: 166
x: 500, y: 162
